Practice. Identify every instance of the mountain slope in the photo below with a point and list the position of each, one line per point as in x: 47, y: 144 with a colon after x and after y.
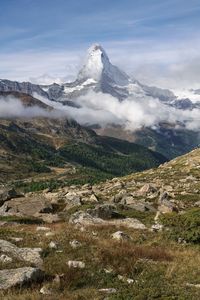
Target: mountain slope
x: 36, y: 145
x: 48, y: 142
x: 137, y: 236
x: 166, y: 139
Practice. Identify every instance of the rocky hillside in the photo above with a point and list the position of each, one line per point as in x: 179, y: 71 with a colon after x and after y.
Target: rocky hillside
x: 135, y: 237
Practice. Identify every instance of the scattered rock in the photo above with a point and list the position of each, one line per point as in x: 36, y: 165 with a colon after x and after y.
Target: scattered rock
x: 197, y: 204
x: 49, y: 233
x: 163, y: 196
x: 129, y: 222
x: 124, y: 279
x: 32, y: 255
x: 93, y: 198
x: 27, y: 206
x: 18, y: 277
x: 42, y: 228
x: 46, y: 290
x: 108, y: 271
x: 75, y: 244
x: 146, y: 189
x: 105, y: 211
x: 156, y: 227
x: 120, y: 236
x: 53, y: 245
x: 167, y: 207
x: 71, y: 200
x: 197, y: 286
x: 84, y: 218
x: 181, y: 241
x: 48, y: 218
x: 5, y: 259
x: 130, y: 280
x: 17, y: 239
x: 7, y: 194
x: 108, y: 291
x: 76, y: 264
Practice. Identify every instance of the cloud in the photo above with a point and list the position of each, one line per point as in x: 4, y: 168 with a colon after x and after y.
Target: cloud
x: 11, y: 107
x: 38, y: 66
x: 133, y: 113
x: 97, y: 108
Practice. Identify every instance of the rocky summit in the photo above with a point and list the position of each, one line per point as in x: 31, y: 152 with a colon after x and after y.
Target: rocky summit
x: 130, y: 237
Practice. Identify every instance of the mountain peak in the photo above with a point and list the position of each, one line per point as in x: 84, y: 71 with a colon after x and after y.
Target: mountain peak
x: 98, y: 67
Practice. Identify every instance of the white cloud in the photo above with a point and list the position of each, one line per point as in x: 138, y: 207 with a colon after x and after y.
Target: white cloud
x: 133, y: 113
x: 103, y: 109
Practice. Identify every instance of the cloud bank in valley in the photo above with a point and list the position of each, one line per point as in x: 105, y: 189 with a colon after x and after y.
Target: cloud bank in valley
x: 11, y: 107
x: 103, y: 109
x: 133, y: 113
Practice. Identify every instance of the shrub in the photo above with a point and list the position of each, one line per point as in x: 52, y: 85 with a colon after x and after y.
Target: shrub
x: 185, y: 226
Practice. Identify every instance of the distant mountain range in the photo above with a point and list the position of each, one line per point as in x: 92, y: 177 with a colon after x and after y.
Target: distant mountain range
x: 100, y: 76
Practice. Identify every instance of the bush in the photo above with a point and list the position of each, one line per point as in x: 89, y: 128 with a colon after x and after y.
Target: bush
x: 185, y: 226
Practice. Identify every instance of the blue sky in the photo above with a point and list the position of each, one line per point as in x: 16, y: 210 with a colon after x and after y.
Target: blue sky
x: 145, y: 37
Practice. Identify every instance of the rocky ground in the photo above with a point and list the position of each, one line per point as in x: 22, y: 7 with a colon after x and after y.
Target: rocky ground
x: 135, y: 237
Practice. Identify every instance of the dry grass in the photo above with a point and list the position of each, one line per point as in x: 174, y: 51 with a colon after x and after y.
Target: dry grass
x: 151, y: 261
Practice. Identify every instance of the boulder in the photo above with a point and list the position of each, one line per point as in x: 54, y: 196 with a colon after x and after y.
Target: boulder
x: 83, y: 218
x: 163, y: 196
x: 147, y: 189
x: 72, y: 200
x: 108, y: 291
x: 120, y: 236
x: 129, y: 222
x: 167, y: 207
x: 43, y: 228
x: 53, y: 245
x: 20, y: 276
x: 31, y: 255
x: 197, y: 204
x: 7, y: 194
x: 26, y: 206
x: 76, y: 264
x: 104, y: 211
x: 75, y: 244
x: 5, y: 259
x: 118, y: 197
x: 93, y: 198
x: 45, y: 290
x: 48, y: 218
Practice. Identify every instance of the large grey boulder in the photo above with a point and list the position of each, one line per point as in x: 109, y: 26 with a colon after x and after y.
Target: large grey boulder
x: 104, y: 211
x: 72, y: 199
x: 18, y: 277
x: 26, y: 206
x: 7, y: 194
x: 32, y: 255
x: 83, y: 218
x: 129, y: 223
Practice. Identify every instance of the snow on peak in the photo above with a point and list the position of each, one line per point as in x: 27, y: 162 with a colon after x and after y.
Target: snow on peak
x: 98, y: 67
